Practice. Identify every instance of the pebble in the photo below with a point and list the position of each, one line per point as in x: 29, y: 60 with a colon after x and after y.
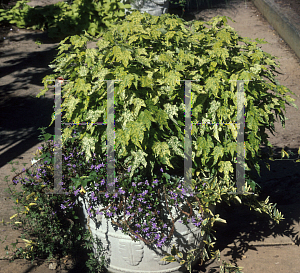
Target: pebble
x: 52, y: 266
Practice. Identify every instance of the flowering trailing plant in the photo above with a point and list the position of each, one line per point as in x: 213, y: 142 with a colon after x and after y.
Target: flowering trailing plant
x: 89, y: 178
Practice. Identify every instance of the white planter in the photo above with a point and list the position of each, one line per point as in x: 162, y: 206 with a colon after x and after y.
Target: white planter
x: 153, y: 7
x: 125, y: 255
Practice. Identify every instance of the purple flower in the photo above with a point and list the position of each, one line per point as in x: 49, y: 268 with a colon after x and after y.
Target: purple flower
x: 94, y: 198
x: 115, y: 195
x: 164, y: 239
x: 121, y: 191
x: 99, y: 166
x: 145, y: 192
x: 109, y: 214
x: 159, y: 244
x: 197, y: 224
x: 62, y: 206
x: 145, y: 229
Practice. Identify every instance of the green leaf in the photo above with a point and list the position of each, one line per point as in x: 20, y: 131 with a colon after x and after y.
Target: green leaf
x: 167, y: 176
x: 168, y: 259
x: 218, y: 152
x: 83, y: 71
x: 216, y: 132
x: 162, y: 151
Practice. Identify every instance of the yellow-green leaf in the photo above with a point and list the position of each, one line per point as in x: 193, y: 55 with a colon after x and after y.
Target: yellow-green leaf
x: 216, y: 132
x: 283, y: 153
x: 233, y: 130
x: 13, y: 216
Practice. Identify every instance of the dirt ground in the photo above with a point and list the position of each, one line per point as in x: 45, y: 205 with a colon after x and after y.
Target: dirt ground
x: 248, y: 240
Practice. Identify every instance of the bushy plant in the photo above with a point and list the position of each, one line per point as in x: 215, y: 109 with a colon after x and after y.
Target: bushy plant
x: 150, y: 55
x: 169, y: 52
x: 63, y: 18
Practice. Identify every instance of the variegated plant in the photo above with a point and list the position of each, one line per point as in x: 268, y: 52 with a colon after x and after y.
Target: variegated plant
x: 152, y: 56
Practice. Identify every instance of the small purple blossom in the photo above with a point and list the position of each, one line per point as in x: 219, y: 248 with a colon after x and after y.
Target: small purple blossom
x: 94, y: 198
x: 121, y: 191
x: 109, y: 214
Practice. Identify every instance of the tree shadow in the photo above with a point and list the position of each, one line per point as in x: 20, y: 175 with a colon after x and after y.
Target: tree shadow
x: 193, y: 7
x: 21, y: 113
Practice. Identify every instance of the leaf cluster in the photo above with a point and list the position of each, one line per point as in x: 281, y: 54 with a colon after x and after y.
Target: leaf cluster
x: 63, y: 18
